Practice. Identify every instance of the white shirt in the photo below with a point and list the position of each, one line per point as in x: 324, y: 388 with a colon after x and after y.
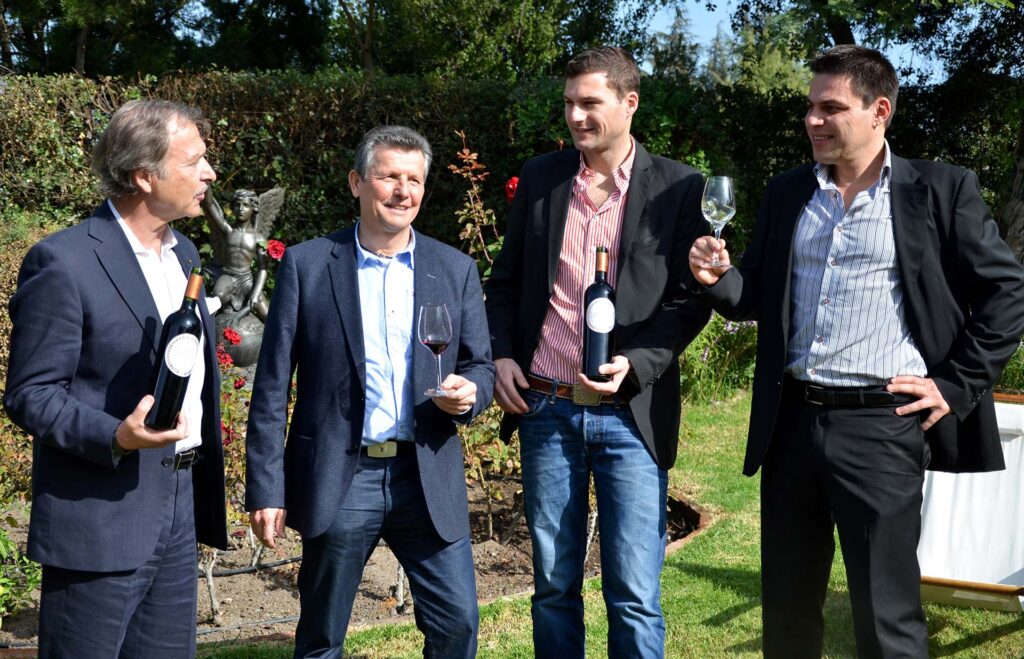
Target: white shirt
x: 167, y: 282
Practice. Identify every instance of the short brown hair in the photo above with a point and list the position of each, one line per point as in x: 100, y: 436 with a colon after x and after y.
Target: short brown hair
x: 137, y: 138
x: 618, y: 64
x: 871, y: 74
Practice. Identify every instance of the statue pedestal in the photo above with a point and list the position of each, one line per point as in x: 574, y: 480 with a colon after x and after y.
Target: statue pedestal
x: 250, y: 329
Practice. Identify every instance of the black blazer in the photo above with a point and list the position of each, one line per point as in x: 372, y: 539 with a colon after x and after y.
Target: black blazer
x: 83, y: 351
x: 655, y: 314
x: 964, y: 294
x: 315, y: 331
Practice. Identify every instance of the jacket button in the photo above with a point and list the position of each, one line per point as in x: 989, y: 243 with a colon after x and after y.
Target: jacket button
x: 167, y: 462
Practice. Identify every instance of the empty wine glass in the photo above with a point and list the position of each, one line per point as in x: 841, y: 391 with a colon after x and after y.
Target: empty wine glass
x: 434, y: 330
x: 718, y: 206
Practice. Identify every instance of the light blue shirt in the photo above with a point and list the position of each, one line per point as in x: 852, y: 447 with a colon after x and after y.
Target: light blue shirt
x: 386, y: 288
x: 848, y: 320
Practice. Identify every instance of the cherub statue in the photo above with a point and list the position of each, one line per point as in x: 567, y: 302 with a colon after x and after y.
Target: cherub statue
x: 240, y: 247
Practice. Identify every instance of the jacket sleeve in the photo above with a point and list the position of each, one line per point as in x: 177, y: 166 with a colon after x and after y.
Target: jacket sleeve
x: 474, y: 357
x: 46, y: 343
x: 504, y: 286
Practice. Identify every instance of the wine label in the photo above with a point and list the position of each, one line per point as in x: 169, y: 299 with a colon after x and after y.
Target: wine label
x: 601, y: 315
x: 180, y: 355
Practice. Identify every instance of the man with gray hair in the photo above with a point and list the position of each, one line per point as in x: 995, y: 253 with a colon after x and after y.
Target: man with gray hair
x: 118, y: 506
x: 370, y: 452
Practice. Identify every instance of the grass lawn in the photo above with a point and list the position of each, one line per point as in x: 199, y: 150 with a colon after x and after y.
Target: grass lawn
x: 710, y: 587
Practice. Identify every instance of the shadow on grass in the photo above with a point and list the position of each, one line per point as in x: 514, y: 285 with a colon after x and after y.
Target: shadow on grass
x: 937, y: 622
x: 745, y: 583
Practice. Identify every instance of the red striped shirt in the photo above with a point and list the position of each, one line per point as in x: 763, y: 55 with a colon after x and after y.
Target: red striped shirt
x: 559, y: 354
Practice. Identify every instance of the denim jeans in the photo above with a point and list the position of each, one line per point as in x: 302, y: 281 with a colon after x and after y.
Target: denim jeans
x: 562, y: 445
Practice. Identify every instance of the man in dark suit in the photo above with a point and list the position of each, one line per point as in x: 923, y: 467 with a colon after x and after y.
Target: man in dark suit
x: 609, y: 192
x: 117, y: 507
x: 887, y: 305
x: 369, y: 455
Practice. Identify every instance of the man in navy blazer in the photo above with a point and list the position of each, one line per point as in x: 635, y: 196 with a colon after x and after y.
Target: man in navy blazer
x: 117, y: 507
x: 887, y: 306
x: 368, y: 454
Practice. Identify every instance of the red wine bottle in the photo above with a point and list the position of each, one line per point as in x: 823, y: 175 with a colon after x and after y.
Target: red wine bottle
x: 179, y: 344
x: 599, y: 320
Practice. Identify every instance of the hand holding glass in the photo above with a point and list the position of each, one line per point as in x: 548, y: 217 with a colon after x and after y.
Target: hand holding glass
x: 718, y: 206
x: 434, y: 330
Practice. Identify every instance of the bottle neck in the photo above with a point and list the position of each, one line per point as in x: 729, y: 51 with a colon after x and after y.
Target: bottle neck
x: 188, y: 304
x: 600, y: 277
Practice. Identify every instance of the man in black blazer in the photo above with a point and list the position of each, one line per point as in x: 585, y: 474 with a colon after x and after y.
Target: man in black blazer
x: 609, y: 192
x: 369, y: 454
x: 117, y: 507
x: 887, y: 305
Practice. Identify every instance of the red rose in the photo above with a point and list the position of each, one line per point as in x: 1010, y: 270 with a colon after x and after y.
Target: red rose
x: 223, y: 358
x: 510, y: 188
x: 231, y: 336
x: 276, y: 249
x: 239, y: 383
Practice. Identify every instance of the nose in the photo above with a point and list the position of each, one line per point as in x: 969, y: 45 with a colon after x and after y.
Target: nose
x: 575, y: 113
x: 402, y: 186
x: 812, y: 118
x: 207, y: 173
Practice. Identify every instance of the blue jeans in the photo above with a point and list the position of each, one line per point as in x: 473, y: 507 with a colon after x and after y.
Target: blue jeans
x: 386, y: 501
x: 562, y: 445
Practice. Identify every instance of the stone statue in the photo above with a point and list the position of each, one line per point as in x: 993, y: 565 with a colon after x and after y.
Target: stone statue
x: 240, y: 265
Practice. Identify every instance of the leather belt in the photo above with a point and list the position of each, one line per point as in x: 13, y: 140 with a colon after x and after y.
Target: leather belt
x: 386, y: 449
x: 577, y: 393
x: 182, y: 460
x: 876, y: 396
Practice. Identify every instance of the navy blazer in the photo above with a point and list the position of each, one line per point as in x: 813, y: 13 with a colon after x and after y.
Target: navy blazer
x: 963, y: 288
x: 656, y: 316
x: 315, y: 330
x: 83, y: 353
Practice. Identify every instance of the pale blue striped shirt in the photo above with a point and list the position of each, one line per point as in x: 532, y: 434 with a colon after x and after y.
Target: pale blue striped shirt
x: 848, y: 325
x: 386, y: 307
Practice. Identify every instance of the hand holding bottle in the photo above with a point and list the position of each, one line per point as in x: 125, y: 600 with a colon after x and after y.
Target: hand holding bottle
x: 133, y: 433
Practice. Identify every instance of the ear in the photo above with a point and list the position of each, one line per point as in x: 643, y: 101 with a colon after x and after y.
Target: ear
x: 354, y: 180
x: 632, y: 101
x: 883, y: 110
x: 143, y: 180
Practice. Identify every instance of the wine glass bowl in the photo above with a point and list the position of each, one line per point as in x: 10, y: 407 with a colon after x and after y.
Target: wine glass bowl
x: 718, y: 205
x: 434, y: 330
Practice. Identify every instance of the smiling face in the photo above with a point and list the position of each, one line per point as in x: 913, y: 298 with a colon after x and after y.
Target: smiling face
x: 842, y: 130
x: 177, y: 190
x: 598, y: 119
x: 390, y: 195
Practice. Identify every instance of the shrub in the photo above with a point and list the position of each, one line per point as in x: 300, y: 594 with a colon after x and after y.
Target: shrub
x: 719, y: 361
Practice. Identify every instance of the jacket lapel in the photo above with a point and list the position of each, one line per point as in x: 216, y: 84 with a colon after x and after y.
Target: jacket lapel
x: 636, y: 201
x: 345, y: 284
x: 427, y: 288
x: 909, y: 218
x: 118, y: 261
x: 558, y: 209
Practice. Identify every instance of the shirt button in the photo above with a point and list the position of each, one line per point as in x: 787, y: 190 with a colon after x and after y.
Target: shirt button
x: 821, y: 339
x: 825, y: 301
x: 839, y: 228
x: 814, y: 371
x: 833, y: 262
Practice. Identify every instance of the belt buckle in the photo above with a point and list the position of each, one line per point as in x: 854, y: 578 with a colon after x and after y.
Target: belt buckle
x: 807, y: 393
x: 583, y: 396
x: 185, y: 459
x: 388, y: 449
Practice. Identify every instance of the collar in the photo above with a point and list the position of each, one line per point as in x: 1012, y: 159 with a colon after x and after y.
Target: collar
x: 167, y: 243
x: 622, y: 173
x: 824, y: 176
x: 404, y: 255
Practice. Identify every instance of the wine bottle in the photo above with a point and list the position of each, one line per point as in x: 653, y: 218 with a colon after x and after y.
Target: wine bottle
x: 599, y: 320
x: 179, y: 344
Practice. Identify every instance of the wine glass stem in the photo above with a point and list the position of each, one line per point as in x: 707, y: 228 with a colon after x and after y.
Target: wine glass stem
x: 438, y: 358
x: 718, y: 236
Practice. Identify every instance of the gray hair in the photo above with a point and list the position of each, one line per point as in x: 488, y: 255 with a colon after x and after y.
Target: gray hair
x: 138, y: 138
x: 393, y: 137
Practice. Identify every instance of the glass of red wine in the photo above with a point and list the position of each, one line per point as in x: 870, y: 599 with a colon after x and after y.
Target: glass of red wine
x: 435, y: 332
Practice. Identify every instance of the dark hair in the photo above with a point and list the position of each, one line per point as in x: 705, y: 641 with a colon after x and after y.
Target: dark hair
x: 137, y: 138
x: 394, y: 137
x: 871, y: 74
x: 618, y: 64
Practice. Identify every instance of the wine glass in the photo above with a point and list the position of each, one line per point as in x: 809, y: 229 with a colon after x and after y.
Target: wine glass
x: 434, y: 329
x: 718, y: 206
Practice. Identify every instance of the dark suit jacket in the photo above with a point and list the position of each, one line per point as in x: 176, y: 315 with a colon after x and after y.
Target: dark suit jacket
x: 83, y: 353
x: 963, y: 292
x: 315, y: 327
x: 655, y: 315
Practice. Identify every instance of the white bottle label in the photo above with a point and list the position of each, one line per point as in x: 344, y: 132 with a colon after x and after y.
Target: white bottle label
x: 180, y: 356
x: 601, y: 315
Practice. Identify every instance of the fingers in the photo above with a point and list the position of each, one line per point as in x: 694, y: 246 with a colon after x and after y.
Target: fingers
x: 702, y: 253
x: 929, y: 398
x: 508, y: 380
x: 268, y: 524
x: 461, y: 395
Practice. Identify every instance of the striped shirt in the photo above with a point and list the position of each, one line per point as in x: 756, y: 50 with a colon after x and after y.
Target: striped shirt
x: 848, y: 321
x: 559, y: 354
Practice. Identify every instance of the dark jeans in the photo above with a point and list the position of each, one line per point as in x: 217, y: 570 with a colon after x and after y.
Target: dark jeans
x: 147, y: 613
x: 860, y: 470
x: 386, y: 501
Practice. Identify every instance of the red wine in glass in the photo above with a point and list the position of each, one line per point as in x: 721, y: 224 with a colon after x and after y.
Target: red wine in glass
x: 434, y: 329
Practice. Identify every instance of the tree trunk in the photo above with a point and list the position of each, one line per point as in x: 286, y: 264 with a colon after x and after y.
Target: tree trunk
x: 1011, y: 219
x: 83, y: 38
x: 6, y: 52
x: 838, y: 27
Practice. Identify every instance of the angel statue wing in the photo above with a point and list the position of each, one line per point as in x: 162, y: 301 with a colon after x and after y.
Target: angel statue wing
x: 270, y: 205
